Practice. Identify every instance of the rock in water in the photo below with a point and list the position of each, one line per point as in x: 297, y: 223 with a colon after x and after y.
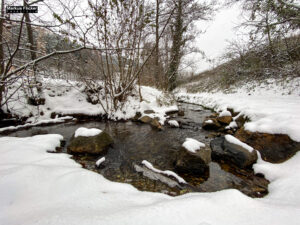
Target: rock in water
x: 231, y: 152
x: 211, y: 124
x: 145, y: 119
x: 274, y: 148
x: 193, y: 163
x: 180, y: 113
x: 224, y: 119
x: 92, y: 145
x: 156, y: 124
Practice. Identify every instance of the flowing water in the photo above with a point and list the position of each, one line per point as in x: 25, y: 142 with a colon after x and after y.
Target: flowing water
x: 135, y: 142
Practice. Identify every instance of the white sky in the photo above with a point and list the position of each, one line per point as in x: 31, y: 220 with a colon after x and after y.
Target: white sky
x: 218, y: 31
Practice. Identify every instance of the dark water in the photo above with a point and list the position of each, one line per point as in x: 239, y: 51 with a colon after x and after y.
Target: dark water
x: 135, y: 142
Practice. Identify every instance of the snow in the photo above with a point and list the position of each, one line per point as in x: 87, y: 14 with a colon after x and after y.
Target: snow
x: 208, y: 121
x: 165, y: 172
x: 40, y: 122
x: 232, y: 124
x: 100, y: 161
x: 234, y: 140
x: 37, y: 187
x: 267, y: 108
x: 225, y: 113
x: 87, y: 132
x: 69, y: 98
x: 173, y: 123
x: 192, y: 145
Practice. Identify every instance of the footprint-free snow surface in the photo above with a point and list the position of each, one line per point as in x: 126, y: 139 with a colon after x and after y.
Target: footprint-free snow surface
x: 37, y: 187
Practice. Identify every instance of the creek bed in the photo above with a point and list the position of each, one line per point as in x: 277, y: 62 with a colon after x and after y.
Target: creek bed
x: 135, y: 142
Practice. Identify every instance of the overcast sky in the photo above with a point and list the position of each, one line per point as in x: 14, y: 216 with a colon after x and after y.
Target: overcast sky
x: 218, y: 31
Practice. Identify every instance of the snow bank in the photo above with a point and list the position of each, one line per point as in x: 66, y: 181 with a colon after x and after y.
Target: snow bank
x: 87, y: 132
x: 69, y: 98
x: 236, y: 141
x: 165, y: 172
x: 269, y: 113
x: 192, y: 145
x: 41, y: 122
x: 40, y: 188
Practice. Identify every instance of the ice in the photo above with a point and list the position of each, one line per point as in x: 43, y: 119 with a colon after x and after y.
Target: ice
x: 87, y: 132
x: 192, y: 145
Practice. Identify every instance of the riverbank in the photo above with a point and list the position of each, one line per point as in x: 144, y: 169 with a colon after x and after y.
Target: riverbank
x: 37, y: 187
x: 269, y: 108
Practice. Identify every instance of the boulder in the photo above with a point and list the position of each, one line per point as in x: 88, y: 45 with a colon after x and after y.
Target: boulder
x: 237, y: 154
x: 193, y: 163
x: 137, y: 116
x: 274, y: 148
x: 224, y: 119
x: 145, y: 119
x: 156, y: 124
x: 95, y: 145
x: 180, y: 113
x: 149, y: 111
x: 211, y: 124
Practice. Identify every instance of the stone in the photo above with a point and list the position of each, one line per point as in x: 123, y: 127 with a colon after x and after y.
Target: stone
x: 210, y: 124
x: 137, y: 116
x: 149, y: 111
x: 180, y: 113
x: 53, y: 115
x: 95, y: 145
x: 224, y: 119
x: 240, y: 121
x: 230, y: 152
x: 274, y: 148
x: 156, y: 124
x: 145, y: 119
x: 36, y: 101
x: 170, y: 112
x: 193, y: 163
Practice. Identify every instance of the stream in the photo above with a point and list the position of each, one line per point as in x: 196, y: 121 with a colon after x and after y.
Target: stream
x: 135, y: 142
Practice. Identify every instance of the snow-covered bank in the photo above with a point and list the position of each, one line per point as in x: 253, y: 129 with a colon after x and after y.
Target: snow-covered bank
x: 70, y: 98
x: 37, y: 187
x: 268, y: 110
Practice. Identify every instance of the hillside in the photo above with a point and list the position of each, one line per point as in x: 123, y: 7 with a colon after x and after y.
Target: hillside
x: 253, y: 66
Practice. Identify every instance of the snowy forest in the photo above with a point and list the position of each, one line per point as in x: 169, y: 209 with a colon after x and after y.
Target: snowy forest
x: 150, y: 112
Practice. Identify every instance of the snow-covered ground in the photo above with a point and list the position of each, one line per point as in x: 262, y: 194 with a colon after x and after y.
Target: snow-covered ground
x: 268, y: 106
x: 69, y: 98
x: 37, y: 187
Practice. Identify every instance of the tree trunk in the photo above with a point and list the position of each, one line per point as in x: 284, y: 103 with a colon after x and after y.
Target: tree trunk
x: 1, y: 53
x: 30, y: 37
x: 156, y: 71
x: 176, y: 48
